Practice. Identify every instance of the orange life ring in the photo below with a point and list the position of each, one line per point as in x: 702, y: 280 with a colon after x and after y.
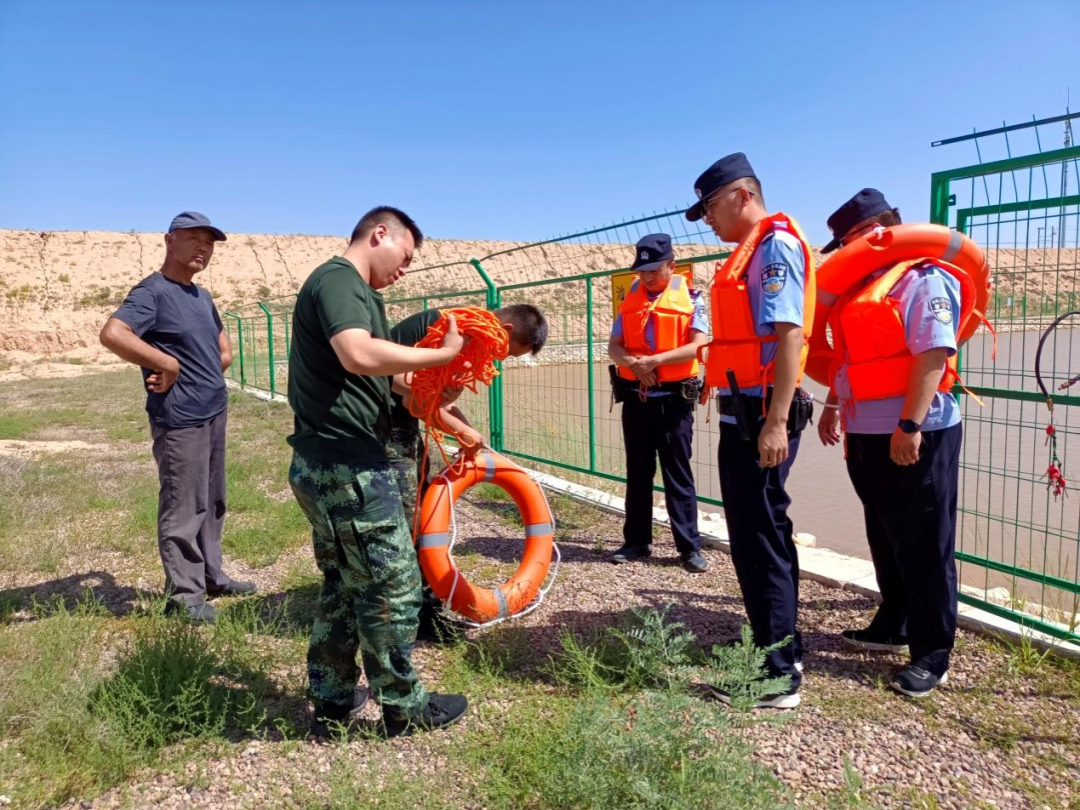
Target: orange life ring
x: 885, y: 247
x: 434, y: 536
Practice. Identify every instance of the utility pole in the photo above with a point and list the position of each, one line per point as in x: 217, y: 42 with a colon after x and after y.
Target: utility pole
x: 1065, y: 175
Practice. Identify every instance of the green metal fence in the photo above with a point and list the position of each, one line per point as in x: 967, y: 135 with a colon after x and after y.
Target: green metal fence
x: 1018, y: 545
x: 555, y: 409
x: 1014, y: 538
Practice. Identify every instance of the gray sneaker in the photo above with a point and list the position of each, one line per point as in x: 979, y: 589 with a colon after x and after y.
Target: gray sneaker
x: 916, y: 682
x: 694, y: 562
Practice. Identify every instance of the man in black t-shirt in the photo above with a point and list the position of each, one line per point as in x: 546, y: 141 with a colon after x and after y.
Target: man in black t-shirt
x: 527, y: 330
x: 169, y: 326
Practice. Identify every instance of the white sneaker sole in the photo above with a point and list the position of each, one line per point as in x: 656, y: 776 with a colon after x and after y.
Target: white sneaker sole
x: 777, y: 702
x: 871, y: 646
x: 897, y: 687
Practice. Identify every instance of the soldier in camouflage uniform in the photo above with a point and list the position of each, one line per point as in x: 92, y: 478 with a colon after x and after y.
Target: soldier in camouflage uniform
x: 340, y: 367
x: 527, y: 330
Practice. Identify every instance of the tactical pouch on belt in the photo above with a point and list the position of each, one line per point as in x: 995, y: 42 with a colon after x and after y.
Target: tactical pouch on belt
x: 618, y: 384
x: 745, y: 409
x: 691, y: 389
x: 801, y: 412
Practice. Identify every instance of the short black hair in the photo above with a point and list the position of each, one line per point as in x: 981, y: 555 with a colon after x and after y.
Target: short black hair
x: 393, y: 218
x: 754, y: 185
x: 530, y: 325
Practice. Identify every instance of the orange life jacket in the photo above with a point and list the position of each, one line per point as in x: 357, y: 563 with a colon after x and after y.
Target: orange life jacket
x: 736, y: 345
x: 868, y: 333
x: 671, y: 313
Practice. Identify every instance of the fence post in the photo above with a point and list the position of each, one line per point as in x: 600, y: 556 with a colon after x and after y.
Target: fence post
x: 589, y: 351
x: 239, y: 344
x: 495, y: 392
x: 939, y: 198
x: 270, y: 345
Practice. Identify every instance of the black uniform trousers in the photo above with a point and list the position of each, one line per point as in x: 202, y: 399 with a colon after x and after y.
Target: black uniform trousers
x: 660, y: 426
x: 762, y: 544
x: 911, y: 529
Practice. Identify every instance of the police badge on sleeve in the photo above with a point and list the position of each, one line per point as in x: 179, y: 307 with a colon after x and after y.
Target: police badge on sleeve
x: 774, y: 277
x: 941, y: 308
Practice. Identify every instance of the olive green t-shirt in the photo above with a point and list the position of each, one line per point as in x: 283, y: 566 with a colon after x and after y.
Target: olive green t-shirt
x: 340, y: 417
x: 408, y: 333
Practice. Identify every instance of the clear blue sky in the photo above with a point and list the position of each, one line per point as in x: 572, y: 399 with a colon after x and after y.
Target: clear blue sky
x: 501, y: 119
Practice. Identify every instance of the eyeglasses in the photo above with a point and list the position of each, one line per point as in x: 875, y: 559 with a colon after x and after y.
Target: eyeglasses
x: 707, y: 203
x: 854, y: 234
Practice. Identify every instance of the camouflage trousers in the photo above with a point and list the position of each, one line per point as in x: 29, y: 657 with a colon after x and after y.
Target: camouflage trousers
x: 406, y: 451
x: 371, y: 585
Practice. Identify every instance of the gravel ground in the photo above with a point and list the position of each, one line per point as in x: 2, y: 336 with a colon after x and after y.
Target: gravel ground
x: 968, y: 746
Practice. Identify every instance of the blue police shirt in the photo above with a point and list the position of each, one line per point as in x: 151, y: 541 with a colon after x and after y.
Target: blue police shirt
x: 699, y: 322
x: 180, y: 320
x: 929, y: 299
x: 775, y: 280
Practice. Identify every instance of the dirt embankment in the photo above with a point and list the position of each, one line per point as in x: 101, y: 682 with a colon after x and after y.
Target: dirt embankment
x: 57, y: 288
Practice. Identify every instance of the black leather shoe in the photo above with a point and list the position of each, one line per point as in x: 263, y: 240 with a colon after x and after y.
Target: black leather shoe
x: 329, y: 719
x: 441, y: 711
x: 875, y: 642
x: 694, y: 562
x: 630, y: 553
x: 201, y: 613
x: 235, y: 587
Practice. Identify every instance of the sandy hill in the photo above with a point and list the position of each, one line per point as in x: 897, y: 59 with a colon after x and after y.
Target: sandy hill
x: 57, y: 288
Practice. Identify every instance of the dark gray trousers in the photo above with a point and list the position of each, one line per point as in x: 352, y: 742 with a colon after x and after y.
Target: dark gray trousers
x: 191, y: 507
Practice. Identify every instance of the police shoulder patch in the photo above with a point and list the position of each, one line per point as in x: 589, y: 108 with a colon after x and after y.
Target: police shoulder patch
x: 941, y: 308
x: 774, y: 277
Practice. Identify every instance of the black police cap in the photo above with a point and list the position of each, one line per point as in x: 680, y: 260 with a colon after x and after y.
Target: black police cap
x: 726, y: 170
x: 866, y: 204
x: 653, y: 252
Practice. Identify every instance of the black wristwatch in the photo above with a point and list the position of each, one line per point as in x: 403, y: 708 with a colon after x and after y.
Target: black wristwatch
x: 909, y: 426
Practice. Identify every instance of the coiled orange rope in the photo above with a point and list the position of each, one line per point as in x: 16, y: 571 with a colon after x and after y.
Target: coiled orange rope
x: 485, y: 342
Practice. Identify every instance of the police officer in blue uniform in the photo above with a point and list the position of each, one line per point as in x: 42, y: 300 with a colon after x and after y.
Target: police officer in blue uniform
x: 658, y: 387
x: 903, y: 455
x: 766, y: 281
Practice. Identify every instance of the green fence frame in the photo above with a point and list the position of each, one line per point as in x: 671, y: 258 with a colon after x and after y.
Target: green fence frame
x: 258, y: 337
x: 945, y: 210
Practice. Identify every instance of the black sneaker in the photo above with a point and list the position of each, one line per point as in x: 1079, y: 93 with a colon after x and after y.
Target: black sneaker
x: 781, y: 700
x: 875, y: 642
x: 630, y: 553
x: 235, y: 587
x: 201, y: 613
x: 916, y: 682
x: 694, y: 562
x: 441, y: 711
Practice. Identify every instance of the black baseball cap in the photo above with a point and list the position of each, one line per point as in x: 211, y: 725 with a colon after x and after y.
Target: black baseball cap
x: 193, y: 219
x: 867, y: 203
x: 726, y: 170
x: 653, y: 252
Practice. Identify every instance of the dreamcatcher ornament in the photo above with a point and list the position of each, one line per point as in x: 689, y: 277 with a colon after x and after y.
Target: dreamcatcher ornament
x: 1055, y: 476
